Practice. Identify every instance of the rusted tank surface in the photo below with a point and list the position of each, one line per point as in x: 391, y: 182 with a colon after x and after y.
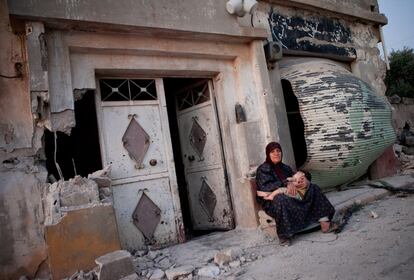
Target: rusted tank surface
x: 347, y: 125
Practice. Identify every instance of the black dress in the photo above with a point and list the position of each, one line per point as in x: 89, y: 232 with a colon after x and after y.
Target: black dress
x: 291, y: 215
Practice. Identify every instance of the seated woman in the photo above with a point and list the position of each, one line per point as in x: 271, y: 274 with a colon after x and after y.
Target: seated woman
x: 290, y: 213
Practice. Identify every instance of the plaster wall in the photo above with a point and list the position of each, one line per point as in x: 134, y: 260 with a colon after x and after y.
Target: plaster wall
x: 21, y: 214
x: 23, y: 247
x: 16, y: 123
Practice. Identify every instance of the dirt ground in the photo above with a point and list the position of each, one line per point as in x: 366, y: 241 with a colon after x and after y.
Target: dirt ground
x: 368, y: 248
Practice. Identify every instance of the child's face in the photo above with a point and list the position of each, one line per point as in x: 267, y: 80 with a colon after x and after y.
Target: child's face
x: 299, y: 178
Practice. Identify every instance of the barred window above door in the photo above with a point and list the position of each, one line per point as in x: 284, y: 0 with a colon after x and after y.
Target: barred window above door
x: 127, y: 89
x: 193, y: 96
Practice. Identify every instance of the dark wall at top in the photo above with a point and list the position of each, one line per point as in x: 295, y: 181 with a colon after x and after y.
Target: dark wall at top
x: 299, y: 34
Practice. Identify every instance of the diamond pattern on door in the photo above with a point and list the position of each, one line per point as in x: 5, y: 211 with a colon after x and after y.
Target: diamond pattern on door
x: 146, y: 216
x: 136, y: 141
x: 198, y: 137
x: 207, y: 198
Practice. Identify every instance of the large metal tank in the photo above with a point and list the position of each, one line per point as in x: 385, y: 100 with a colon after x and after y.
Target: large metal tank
x: 346, y: 124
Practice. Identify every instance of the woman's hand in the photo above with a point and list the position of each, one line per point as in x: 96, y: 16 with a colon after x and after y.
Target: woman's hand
x: 291, y: 189
x: 263, y: 194
x: 272, y: 195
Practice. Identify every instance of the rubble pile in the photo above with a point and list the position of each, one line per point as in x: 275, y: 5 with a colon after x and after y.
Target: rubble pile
x: 157, y: 265
x: 405, y: 151
x: 76, y: 193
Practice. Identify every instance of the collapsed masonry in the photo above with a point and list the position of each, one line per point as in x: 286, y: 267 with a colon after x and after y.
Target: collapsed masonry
x: 79, y: 222
x: 77, y: 193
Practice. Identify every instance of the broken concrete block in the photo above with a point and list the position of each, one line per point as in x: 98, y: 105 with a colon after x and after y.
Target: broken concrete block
x: 175, y: 273
x: 79, y: 238
x: 105, y: 172
x: 102, y: 182
x: 225, y: 256
x: 157, y: 274
x: 152, y: 255
x: 115, y: 265
x: 78, y: 191
x: 211, y: 271
x: 234, y: 264
x: 164, y: 263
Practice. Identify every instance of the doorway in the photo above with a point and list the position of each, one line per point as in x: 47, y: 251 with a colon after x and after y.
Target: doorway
x: 198, y: 155
x: 296, y: 126
x: 162, y: 139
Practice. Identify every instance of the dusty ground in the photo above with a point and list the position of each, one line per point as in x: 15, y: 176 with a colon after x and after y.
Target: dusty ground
x: 368, y: 248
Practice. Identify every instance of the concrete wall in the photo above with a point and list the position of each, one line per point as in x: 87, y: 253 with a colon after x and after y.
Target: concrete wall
x: 22, y: 242
x: 197, y: 16
x: 23, y: 248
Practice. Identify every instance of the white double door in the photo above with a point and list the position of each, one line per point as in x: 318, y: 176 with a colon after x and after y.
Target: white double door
x: 135, y: 140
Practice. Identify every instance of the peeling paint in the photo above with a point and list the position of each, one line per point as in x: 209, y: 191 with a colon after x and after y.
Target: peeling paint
x: 317, y: 34
x: 347, y: 125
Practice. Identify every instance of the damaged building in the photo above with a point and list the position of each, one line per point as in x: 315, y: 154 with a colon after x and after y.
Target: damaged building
x: 127, y: 124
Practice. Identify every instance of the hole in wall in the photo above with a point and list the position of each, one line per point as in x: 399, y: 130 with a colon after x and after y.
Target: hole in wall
x: 296, y: 125
x: 78, y: 153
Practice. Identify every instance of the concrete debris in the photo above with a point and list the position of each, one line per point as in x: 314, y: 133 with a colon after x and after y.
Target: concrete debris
x: 225, y: 256
x: 152, y: 255
x: 406, y: 157
x: 373, y: 214
x: 177, y: 272
x: 235, y: 264
x: 164, y: 263
x: 211, y: 271
x: 77, y: 191
x: 102, y: 177
x: 104, y: 182
x: 115, y: 265
x: 80, y: 275
x: 157, y: 274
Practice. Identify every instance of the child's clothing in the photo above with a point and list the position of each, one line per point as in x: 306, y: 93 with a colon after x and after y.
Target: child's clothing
x: 300, y: 193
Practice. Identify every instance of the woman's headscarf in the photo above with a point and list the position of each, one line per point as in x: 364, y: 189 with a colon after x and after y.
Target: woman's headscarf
x: 277, y: 167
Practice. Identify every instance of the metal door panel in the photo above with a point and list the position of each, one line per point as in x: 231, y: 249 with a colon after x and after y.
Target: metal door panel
x: 131, y: 131
x: 116, y: 120
x: 204, y: 216
x: 126, y: 198
x: 211, y: 153
x: 203, y: 163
